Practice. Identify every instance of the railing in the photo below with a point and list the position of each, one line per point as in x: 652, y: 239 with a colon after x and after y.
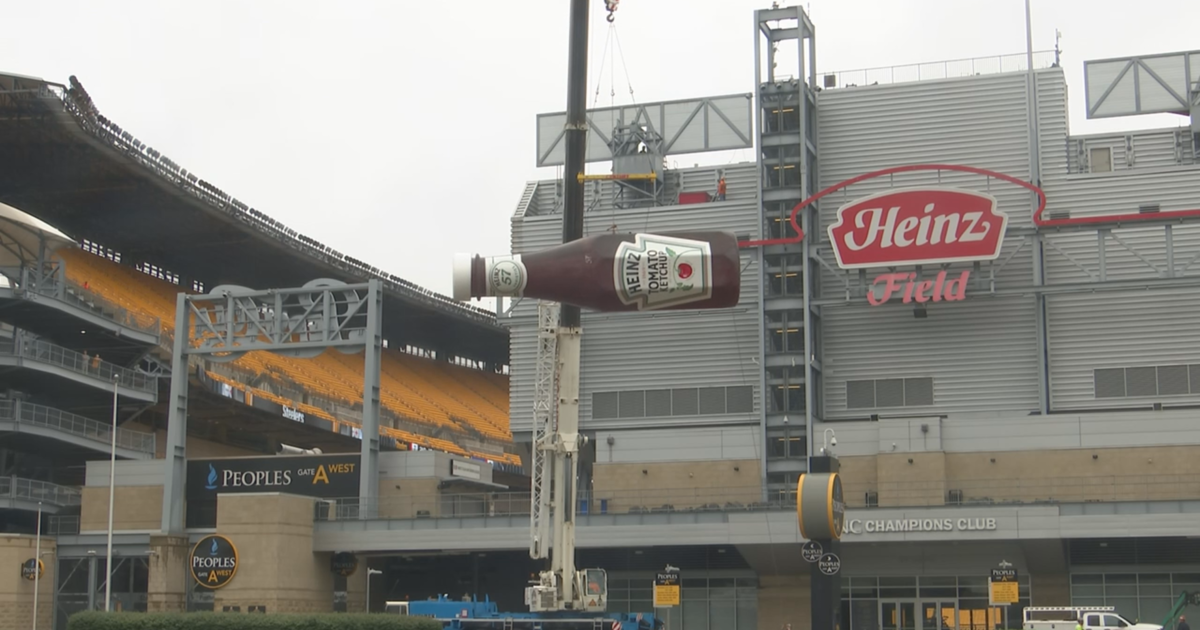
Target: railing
x: 67, y: 422
x: 62, y: 525
x: 33, y: 490
x: 137, y: 321
x: 29, y: 347
x: 858, y: 495
x: 939, y: 69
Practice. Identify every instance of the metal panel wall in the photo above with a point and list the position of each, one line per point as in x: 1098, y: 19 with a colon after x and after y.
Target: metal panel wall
x: 981, y: 353
x: 634, y: 351
x: 1140, y: 328
x: 678, y: 445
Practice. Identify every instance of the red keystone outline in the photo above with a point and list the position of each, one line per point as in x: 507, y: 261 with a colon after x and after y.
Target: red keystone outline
x: 1037, y: 214
x: 902, y: 169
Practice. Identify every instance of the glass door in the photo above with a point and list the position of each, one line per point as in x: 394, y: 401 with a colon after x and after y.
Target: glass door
x: 939, y: 615
x: 898, y: 615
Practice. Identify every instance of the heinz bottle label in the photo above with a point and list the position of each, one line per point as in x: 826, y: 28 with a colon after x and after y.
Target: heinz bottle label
x: 506, y: 276
x: 656, y: 271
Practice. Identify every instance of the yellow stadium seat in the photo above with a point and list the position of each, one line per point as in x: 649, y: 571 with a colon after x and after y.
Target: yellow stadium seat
x: 441, y: 395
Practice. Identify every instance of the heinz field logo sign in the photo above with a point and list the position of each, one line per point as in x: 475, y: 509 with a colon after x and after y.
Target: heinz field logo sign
x: 918, y: 226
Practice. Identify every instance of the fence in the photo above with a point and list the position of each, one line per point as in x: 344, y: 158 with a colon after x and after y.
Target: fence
x: 937, y: 70
x: 29, y: 347
x: 87, y: 428
x: 33, y: 490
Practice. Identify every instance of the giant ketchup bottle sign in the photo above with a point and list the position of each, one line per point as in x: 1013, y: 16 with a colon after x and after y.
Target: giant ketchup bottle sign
x: 614, y: 272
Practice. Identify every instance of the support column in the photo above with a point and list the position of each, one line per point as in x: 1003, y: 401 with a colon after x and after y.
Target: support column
x: 825, y: 590
x: 175, y: 452
x: 168, y: 583
x: 368, y: 489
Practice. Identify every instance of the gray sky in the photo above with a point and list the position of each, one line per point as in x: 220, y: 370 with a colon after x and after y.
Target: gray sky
x: 401, y: 132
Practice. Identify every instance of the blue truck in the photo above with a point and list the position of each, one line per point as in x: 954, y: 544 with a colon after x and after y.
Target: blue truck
x: 474, y: 614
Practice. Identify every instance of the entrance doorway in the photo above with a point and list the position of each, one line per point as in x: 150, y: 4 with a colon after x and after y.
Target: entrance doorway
x: 912, y: 614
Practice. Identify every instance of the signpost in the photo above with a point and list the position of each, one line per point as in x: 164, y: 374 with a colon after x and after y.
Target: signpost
x: 821, y: 514
x: 667, y: 591
x: 1003, y: 589
x: 666, y: 588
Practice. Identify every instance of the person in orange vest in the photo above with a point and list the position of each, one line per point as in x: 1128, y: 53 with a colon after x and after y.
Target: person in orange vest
x: 721, y: 188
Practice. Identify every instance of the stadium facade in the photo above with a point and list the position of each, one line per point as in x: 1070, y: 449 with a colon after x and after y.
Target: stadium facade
x: 1040, y: 414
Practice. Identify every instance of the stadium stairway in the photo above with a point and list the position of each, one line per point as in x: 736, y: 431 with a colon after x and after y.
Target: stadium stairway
x: 449, y: 399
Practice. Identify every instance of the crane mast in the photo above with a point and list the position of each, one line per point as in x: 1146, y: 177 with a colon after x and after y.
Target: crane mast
x: 556, y: 440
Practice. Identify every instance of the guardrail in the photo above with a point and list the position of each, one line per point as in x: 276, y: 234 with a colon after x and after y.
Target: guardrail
x: 26, y: 346
x: 62, y: 525
x: 858, y: 495
x: 937, y: 70
x: 42, y: 416
x: 33, y: 490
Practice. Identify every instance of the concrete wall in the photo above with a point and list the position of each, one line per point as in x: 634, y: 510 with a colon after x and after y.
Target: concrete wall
x: 1070, y: 475
x: 16, y: 593
x: 277, y: 567
x: 681, y: 484
x: 135, y: 508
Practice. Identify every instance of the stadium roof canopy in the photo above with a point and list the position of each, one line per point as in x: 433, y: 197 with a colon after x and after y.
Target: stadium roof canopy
x: 66, y: 164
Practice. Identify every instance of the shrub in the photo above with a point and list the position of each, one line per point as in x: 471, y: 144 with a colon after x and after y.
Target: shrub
x: 99, y: 620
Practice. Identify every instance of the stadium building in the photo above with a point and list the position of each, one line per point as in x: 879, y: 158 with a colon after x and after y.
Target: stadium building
x: 987, y: 319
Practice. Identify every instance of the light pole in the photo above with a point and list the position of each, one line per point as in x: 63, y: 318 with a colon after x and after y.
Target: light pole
x: 371, y: 572
x: 112, y: 479
x: 37, y: 564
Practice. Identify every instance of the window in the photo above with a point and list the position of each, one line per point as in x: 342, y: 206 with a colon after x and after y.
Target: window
x: 890, y: 392
x: 1100, y: 159
x: 1146, y: 381
x: 660, y: 403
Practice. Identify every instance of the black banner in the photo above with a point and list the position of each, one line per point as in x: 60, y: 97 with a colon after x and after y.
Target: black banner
x: 322, y: 476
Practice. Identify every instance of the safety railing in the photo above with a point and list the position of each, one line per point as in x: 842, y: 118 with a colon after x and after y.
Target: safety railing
x: 32, y: 490
x: 48, y: 417
x: 52, y: 284
x: 67, y: 525
x: 26, y: 346
x: 858, y: 495
x: 937, y: 70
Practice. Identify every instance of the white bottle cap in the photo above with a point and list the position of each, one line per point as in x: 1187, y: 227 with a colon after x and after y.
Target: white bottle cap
x: 462, y: 277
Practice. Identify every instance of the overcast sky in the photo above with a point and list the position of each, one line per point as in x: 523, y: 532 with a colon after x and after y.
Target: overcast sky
x: 401, y: 132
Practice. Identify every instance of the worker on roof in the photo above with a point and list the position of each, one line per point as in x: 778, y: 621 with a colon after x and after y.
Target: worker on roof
x: 721, y: 187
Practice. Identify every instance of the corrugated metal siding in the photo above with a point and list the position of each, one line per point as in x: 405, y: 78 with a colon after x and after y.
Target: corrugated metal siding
x: 1118, y: 330
x: 741, y: 180
x: 632, y: 351
x: 981, y: 354
x: 1152, y: 149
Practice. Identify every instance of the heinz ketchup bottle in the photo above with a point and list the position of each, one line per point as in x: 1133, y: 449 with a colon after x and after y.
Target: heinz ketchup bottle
x: 614, y: 272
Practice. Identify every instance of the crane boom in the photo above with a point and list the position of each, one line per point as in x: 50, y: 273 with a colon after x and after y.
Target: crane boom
x: 557, y: 441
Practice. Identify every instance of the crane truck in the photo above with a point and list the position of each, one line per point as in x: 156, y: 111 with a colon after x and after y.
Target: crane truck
x: 562, y: 597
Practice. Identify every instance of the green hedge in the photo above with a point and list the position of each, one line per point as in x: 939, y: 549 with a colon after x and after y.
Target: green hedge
x: 99, y: 620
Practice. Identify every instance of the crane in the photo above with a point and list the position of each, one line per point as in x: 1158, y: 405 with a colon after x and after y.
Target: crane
x: 557, y: 441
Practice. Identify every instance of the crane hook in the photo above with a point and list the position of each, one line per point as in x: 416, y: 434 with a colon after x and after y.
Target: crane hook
x: 611, y: 5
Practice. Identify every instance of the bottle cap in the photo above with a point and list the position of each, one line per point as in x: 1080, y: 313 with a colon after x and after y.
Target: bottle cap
x: 462, y: 277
